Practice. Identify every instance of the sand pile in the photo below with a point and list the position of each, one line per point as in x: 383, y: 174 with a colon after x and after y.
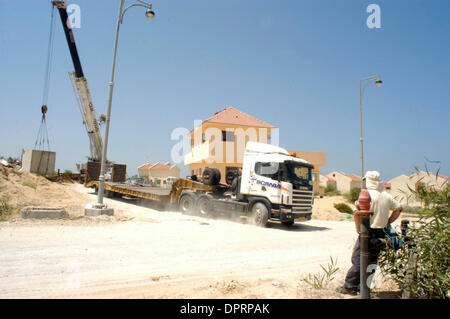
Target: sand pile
x: 21, y: 189
x: 323, y: 208
x: 24, y: 189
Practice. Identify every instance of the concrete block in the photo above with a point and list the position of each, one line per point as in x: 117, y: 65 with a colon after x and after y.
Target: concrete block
x: 44, y: 212
x: 38, y: 162
x: 94, y: 210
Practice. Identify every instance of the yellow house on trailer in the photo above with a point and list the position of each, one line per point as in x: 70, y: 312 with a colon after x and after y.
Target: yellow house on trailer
x: 219, y: 142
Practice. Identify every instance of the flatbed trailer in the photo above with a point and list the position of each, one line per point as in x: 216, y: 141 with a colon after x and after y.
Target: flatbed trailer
x: 165, y: 195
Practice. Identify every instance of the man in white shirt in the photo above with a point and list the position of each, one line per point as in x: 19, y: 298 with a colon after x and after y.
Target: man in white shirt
x: 381, y: 204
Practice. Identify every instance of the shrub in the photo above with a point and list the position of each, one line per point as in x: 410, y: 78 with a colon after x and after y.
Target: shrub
x: 30, y: 184
x: 353, y: 195
x: 343, y: 208
x: 330, y: 190
x: 421, y: 267
x: 319, y: 280
x: 68, y: 172
x: 5, y: 209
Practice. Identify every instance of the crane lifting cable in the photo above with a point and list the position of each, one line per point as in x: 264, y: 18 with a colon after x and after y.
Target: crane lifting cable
x: 42, y: 139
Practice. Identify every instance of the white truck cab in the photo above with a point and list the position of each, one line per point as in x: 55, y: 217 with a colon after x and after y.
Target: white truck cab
x: 271, y: 174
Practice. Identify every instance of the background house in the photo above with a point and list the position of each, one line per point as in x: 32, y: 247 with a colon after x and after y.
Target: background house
x: 399, y: 186
x: 325, y: 181
x: 345, y: 182
x: 158, y: 173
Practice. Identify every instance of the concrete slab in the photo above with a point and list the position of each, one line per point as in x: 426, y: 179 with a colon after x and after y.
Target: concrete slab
x: 38, y: 162
x: 44, y: 212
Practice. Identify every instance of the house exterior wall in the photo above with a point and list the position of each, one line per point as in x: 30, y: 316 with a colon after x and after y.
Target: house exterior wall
x: 221, y: 154
x: 164, y: 173
x: 323, y: 181
x: 143, y: 173
x: 399, y: 187
x: 343, y: 183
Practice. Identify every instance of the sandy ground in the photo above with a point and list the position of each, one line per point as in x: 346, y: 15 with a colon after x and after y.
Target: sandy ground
x: 145, y: 253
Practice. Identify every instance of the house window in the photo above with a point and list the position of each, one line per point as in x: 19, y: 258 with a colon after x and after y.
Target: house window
x: 227, y: 136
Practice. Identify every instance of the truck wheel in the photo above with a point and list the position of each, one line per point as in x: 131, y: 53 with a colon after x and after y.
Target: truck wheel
x: 288, y: 223
x: 204, y: 206
x: 260, y: 214
x: 187, y: 203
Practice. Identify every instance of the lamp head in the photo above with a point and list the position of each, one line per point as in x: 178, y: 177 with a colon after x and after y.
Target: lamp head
x: 150, y: 14
x: 378, y: 83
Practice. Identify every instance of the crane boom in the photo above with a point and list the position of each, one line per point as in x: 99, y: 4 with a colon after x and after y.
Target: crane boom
x: 81, y: 88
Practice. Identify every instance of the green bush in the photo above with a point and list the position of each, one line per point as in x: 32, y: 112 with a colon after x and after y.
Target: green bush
x: 330, y: 190
x: 353, y: 195
x: 5, y: 209
x: 422, y: 266
x: 343, y: 208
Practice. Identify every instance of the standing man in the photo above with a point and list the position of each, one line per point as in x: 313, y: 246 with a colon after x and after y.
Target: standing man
x: 381, y: 204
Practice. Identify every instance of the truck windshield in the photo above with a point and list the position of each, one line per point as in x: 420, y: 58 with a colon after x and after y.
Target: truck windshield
x: 298, y: 174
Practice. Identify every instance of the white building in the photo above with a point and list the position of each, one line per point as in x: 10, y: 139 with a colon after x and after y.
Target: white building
x: 344, y: 182
x: 159, y: 172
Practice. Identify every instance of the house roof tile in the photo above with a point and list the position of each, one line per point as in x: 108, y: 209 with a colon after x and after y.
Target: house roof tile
x: 230, y: 115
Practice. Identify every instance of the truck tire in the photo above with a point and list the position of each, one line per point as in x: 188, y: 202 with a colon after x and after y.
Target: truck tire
x: 186, y: 204
x: 211, y: 176
x: 260, y: 214
x: 204, y: 206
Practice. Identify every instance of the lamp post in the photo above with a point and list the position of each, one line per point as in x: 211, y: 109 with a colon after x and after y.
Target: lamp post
x: 150, y: 15
x: 367, y: 81
x: 364, y: 201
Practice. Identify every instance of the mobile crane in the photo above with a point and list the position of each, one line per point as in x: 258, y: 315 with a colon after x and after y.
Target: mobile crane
x: 81, y: 89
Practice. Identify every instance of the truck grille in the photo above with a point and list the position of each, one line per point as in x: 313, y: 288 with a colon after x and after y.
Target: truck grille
x: 302, y: 200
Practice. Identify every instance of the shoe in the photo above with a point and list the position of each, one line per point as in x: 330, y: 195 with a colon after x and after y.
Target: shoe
x: 347, y: 291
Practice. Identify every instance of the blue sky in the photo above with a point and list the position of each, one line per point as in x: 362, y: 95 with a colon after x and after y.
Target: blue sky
x: 293, y: 64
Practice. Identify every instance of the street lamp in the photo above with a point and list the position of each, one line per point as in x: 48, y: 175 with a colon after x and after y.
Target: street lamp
x: 101, y: 188
x: 364, y: 219
x: 378, y: 83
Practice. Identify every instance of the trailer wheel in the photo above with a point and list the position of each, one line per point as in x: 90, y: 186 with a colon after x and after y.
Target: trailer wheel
x: 186, y: 203
x: 204, y: 206
x: 260, y: 214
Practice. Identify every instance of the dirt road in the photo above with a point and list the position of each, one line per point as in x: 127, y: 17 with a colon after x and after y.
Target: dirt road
x: 157, y: 254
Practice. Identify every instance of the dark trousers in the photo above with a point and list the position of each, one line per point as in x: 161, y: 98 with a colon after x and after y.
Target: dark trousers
x: 352, y: 279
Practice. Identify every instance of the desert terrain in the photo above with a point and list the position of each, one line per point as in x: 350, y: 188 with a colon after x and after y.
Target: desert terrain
x: 142, y: 252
